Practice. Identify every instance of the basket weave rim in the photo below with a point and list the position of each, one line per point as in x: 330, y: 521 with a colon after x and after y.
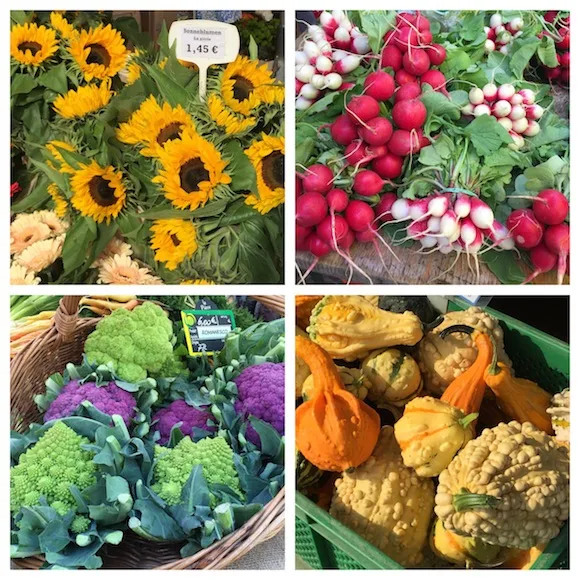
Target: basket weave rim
x: 267, y: 523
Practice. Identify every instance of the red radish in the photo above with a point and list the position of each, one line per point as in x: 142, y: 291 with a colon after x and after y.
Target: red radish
x: 534, y: 112
x: 403, y: 77
x: 298, y: 185
x: 416, y: 61
x: 407, y: 37
x: 407, y: 91
x: 552, y: 74
x: 489, y: 92
x: 525, y: 228
x: 501, y: 236
x: 480, y: 110
x: 462, y: 205
x: 383, y: 208
x: 518, y: 141
x: 311, y: 209
x: 377, y: 131
x: 565, y: 76
x: 391, y: 57
x: 467, y: 109
x: 520, y: 126
x: 563, y: 44
x: 416, y: 230
x: 317, y: 246
x: 326, y: 232
x: 404, y: 143
x: 425, y: 38
x: 367, y: 236
x: 308, y: 91
x: 400, y: 209
x: 533, y: 129
x: 557, y: 240
x: 419, y: 209
x: 302, y: 234
x: 528, y: 96
x: 437, y: 54
x: 517, y: 113
x: 409, y: 115
x: 298, y: 86
x: 551, y: 207
x: 490, y: 32
x: 341, y: 38
x: 434, y: 78
x: 467, y: 231
x: 359, y: 215
x: 323, y: 64
x: 517, y: 99
x: 476, y: 96
x: 502, y: 108
x: 347, y: 64
x: 379, y: 85
x: 367, y: 183
x: 389, y: 37
x: 481, y: 214
x: 406, y: 19
x: 343, y: 130
x: 565, y: 60
x: 543, y: 261
x: 337, y: 200
x: 449, y: 226
x: 506, y: 91
x: 329, y: 24
x: 507, y: 124
x: 360, y: 44
x: 355, y: 154
x: 374, y: 151
x: 347, y: 241
x: 317, y: 177
x: 489, y: 46
x: 434, y: 225
x: 422, y: 23
x: 302, y: 104
x: 362, y: 108
x: 388, y: 166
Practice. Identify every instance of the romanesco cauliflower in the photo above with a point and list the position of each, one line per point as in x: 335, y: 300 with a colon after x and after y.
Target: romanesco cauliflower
x: 174, y: 466
x: 133, y: 343
x: 48, y: 470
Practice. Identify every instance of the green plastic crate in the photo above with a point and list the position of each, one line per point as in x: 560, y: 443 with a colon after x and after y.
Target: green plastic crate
x: 324, y: 543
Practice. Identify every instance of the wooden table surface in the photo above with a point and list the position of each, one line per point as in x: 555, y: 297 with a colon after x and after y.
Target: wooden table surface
x: 413, y: 268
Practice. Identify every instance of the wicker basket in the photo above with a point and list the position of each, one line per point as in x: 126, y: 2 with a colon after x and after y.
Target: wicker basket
x: 49, y: 354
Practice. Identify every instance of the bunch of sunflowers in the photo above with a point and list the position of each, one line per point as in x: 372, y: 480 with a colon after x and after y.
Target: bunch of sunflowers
x: 151, y: 183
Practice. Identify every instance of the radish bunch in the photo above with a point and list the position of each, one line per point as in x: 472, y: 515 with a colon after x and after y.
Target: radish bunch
x: 409, y: 50
x: 517, y: 111
x: 561, y: 36
x: 542, y: 231
x: 331, y: 51
x: 500, y: 35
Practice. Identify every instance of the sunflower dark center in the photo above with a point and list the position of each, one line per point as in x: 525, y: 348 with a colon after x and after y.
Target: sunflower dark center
x: 176, y: 241
x: 33, y: 47
x: 101, y: 191
x: 242, y: 88
x: 169, y: 132
x: 98, y: 55
x: 192, y: 173
x: 273, y: 170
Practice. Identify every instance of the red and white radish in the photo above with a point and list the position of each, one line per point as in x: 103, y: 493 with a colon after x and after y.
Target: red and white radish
x: 524, y: 228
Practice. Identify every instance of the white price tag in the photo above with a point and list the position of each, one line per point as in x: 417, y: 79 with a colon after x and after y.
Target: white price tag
x: 471, y: 298
x: 204, y: 42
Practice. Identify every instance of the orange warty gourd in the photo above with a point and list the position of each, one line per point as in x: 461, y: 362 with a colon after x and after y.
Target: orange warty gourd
x: 334, y: 430
x: 519, y: 399
x: 304, y: 307
x: 467, y: 390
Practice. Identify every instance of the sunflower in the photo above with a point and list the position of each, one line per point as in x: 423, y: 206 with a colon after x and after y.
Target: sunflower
x: 119, y: 269
x: 173, y: 240
x: 132, y: 71
x: 98, y: 192
x: 199, y: 282
x: 31, y: 44
x: 99, y: 52
x: 61, y: 25
x: 21, y: 276
x: 191, y: 170
x: 267, y: 157
x: 25, y: 230
x: 53, y: 148
x: 152, y: 126
x: 244, y: 84
x: 84, y: 100
x: 116, y: 247
x: 60, y: 203
x: 230, y: 122
x: 41, y: 254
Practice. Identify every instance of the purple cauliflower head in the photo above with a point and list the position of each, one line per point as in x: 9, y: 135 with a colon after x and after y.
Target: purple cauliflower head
x: 109, y: 399
x: 180, y: 412
x: 261, y: 394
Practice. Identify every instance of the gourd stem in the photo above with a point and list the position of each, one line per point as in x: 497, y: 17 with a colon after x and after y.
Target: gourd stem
x: 431, y: 325
x: 468, y: 419
x: 457, y: 328
x: 493, y: 368
x: 467, y: 501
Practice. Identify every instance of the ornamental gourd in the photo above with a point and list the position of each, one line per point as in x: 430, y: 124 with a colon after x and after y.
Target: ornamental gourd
x: 520, y: 399
x: 354, y: 382
x: 430, y: 433
x: 304, y: 306
x: 349, y: 327
x: 335, y: 431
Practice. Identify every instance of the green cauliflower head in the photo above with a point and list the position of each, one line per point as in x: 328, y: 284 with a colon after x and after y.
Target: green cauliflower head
x: 133, y: 343
x: 173, y: 466
x: 50, y: 468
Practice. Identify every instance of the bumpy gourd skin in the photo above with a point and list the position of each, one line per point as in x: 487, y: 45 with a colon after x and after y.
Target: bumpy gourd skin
x: 49, y: 468
x: 430, y: 433
x: 353, y: 379
x: 174, y: 466
x: 394, y: 376
x: 524, y: 470
x: 349, y: 327
x: 386, y: 503
x: 442, y: 360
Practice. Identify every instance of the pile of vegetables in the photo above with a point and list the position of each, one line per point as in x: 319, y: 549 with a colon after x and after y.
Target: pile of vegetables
x: 444, y: 457
x: 139, y: 438
x: 426, y: 142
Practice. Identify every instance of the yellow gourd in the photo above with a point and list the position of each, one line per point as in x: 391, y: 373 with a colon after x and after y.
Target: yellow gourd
x: 350, y: 327
x: 335, y: 431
